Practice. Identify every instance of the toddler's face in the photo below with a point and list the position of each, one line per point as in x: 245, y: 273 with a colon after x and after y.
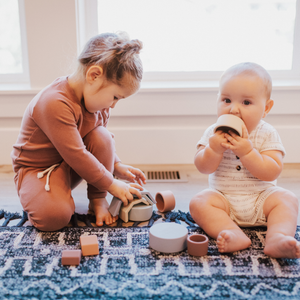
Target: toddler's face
x: 106, y: 95
x: 245, y: 97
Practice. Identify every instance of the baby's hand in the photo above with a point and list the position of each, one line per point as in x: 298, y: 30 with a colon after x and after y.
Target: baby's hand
x: 125, y: 191
x: 240, y: 146
x: 129, y: 173
x: 216, y: 142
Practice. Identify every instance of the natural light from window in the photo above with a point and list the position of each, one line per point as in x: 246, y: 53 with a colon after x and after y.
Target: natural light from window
x: 10, y: 41
x: 204, y: 35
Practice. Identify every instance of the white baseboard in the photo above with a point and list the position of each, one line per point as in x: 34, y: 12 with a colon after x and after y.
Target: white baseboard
x: 178, y: 146
x: 8, y: 137
x: 158, y: 146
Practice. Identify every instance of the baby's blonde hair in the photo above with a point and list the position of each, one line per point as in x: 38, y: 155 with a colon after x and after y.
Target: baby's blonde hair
x: 116, y: 54
x: 250, y: 68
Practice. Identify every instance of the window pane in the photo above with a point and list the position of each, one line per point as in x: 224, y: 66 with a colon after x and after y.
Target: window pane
x: 10, y: 41
x: 205, y: 35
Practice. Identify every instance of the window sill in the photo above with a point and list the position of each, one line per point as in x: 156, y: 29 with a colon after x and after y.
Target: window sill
x: 15, y: 89
x: 175, y: 86
x: 204, y: 86
x: 157, y: 86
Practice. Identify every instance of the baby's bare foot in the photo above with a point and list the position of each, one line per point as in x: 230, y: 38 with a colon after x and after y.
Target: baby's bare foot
x: 232, y: 240
x: 282, y: 246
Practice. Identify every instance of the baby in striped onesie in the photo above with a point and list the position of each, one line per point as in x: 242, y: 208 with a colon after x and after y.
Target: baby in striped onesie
x: 243, y: 170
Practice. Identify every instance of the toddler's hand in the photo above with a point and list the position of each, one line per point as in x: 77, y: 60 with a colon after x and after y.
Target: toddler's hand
x: 240, y: 146
x: 129, y: 173
x: 124, y: 191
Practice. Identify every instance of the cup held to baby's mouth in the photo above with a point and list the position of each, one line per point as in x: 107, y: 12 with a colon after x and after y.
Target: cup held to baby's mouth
x: 228, y: 122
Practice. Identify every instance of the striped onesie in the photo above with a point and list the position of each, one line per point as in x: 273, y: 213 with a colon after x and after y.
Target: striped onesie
x: 244, y: 193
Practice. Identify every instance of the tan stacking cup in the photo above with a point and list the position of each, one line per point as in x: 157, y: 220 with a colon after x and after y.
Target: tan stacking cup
x: 165, y: 201
x: 230, y: 122
x: 197, y: 244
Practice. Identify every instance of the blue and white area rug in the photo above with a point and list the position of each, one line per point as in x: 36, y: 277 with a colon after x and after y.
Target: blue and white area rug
x: 126, y: 268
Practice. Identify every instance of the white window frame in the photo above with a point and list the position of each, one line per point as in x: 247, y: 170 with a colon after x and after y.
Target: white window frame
x: 87, y: 27
x: 19, y: 78
x: 87, y: 21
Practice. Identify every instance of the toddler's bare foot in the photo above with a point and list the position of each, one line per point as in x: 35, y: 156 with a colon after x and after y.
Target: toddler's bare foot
x: 100, y: 208
x: 282, y: 246
x: 232, y: 240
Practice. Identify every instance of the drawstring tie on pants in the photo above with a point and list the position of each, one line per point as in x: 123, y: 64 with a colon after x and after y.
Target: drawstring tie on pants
x: 41, y: 175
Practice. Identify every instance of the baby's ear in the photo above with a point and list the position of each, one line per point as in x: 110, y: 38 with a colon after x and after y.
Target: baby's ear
x: 268, y: 107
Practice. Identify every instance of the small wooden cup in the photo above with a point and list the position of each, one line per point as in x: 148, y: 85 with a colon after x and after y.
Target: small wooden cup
x: 165, y: 201
x: 197, y: 244
x: 230, y: 122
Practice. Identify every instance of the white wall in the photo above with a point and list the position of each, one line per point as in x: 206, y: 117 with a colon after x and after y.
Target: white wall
x: 155, y: 126
x: 164, y: 127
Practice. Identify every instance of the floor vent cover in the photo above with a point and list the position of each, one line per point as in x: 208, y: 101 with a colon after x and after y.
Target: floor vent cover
x: 165, y: 176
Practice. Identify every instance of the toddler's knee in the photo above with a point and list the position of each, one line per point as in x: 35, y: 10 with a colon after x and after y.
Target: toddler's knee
x: 100, y: 137
x: 101, y: 144
x: 51, y: 220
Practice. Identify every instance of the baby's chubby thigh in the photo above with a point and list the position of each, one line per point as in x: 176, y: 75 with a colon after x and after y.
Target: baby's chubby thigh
x: 203, y: 206
x: 281, y: 199
x: 47, y: 210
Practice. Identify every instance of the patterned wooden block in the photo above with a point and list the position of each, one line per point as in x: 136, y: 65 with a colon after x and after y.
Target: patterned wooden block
x: 89, y: 245
x: 71, y: 257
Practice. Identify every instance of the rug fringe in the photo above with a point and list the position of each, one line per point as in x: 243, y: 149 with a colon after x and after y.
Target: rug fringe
x: 23, y: 220
x: 88, y: 219
x: 174, y: 216
x: 8, y: 217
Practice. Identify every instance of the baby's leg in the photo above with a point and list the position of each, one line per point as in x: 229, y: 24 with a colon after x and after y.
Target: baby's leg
x: 101, y: 144
x: 47, y: 211
x: 281, y: 211
x: 210, y: 211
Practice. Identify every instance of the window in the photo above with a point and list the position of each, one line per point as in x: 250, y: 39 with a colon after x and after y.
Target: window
x: 194, y: 39
x: 13, y: 52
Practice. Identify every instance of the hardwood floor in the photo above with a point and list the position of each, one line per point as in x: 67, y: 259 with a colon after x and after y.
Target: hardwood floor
x: 183, y: 191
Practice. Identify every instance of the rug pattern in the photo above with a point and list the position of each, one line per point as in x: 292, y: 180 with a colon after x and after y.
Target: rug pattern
x: 126, y: 268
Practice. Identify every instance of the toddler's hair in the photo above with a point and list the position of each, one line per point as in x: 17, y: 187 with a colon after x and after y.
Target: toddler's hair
x: 251, y: 69
x: 115, y: 53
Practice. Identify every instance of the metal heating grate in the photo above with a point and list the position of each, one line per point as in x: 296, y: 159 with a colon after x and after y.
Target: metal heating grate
x: 165, y: 176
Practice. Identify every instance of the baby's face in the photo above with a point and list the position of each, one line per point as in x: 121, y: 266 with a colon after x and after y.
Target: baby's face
x: 243, y: 96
